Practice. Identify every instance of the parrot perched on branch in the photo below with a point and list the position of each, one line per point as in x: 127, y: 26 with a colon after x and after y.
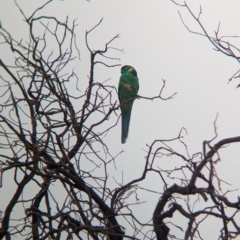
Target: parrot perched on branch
x: 127, y: 91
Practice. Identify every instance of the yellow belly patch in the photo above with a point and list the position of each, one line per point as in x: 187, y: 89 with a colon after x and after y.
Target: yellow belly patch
x: 127, y: 86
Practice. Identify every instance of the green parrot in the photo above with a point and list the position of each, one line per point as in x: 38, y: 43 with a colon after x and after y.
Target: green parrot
x: 127, y: 91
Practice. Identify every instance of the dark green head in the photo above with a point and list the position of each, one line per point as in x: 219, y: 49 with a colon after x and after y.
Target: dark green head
x: 127, y: 68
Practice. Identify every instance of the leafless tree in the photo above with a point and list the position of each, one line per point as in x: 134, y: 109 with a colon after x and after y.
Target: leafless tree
x: 49, y: 135
x: 52, y: 139
x: 199, y: 175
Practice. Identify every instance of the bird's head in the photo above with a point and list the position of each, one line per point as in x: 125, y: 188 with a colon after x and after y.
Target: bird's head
x: 127, y: 68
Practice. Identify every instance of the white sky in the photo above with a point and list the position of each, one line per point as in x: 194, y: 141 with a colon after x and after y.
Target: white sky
x: 158, y: 45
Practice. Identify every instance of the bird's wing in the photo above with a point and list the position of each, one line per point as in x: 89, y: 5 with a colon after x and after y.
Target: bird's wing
x: 128, y: 87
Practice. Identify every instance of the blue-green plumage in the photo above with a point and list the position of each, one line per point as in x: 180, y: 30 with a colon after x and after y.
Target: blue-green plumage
x: 127, y: 91
x: 125, y: 126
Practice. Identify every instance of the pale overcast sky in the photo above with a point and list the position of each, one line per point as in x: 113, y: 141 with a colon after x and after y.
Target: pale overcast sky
x: 158, y: 45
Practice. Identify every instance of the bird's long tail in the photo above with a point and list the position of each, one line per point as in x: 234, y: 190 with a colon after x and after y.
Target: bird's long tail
x: 125, y: 126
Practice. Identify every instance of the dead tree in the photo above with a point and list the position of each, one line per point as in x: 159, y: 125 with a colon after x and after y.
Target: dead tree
x: 51, y: 132
x: 52, y: 128
x: 46, y: 134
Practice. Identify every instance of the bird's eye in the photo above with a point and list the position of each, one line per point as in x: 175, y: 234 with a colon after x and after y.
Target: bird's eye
x: 134, y: 72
